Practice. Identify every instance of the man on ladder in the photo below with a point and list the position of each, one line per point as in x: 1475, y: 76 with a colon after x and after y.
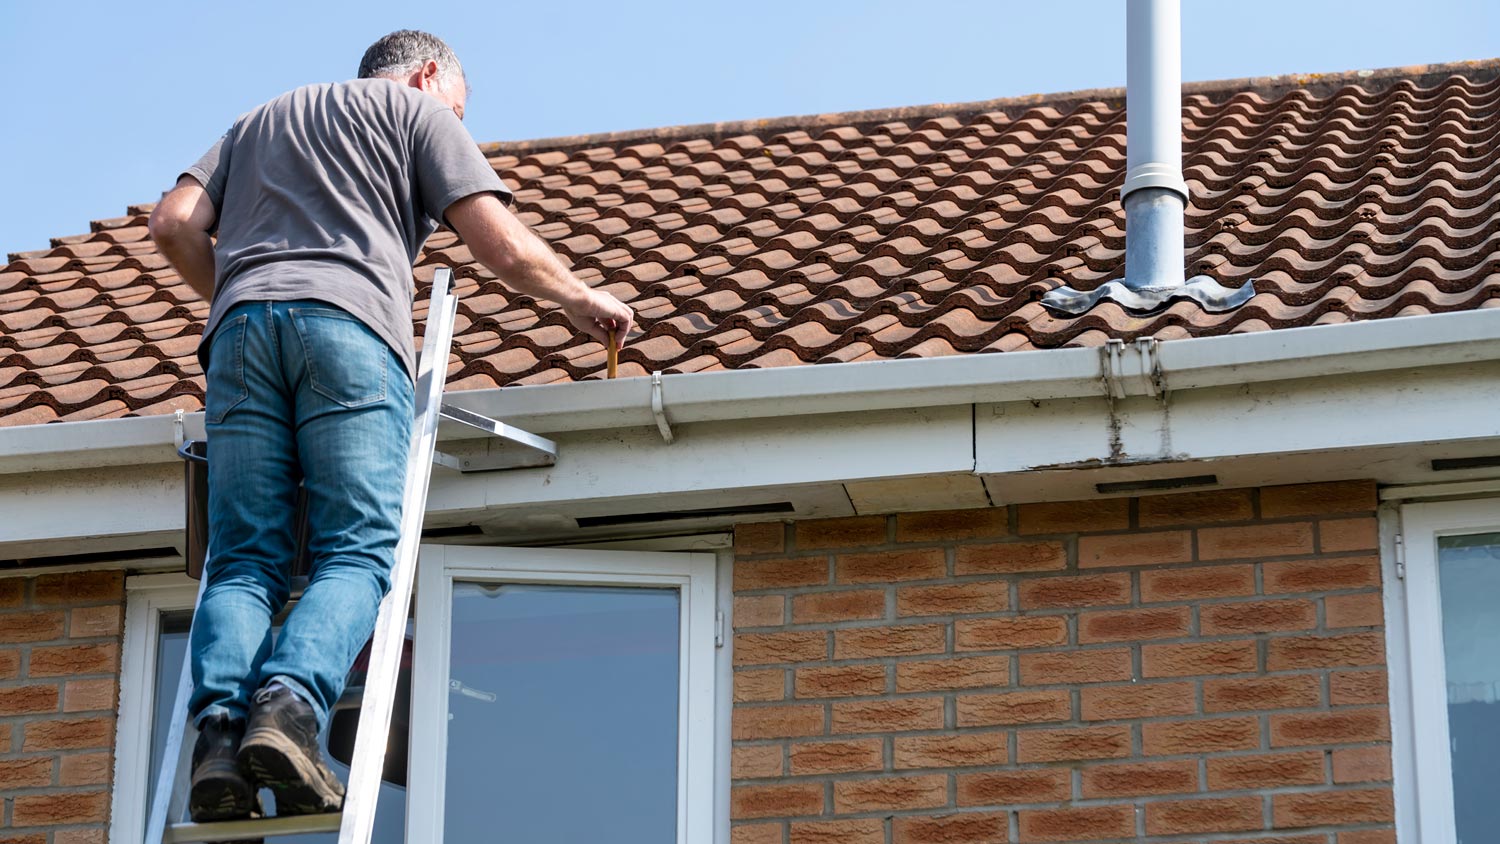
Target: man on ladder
x: 321, y: 199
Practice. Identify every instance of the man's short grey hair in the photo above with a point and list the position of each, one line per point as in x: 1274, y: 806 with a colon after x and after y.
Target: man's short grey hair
x: 402, y: 52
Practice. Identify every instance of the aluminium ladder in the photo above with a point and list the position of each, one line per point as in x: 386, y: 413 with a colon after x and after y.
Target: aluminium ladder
x: 356, y: 822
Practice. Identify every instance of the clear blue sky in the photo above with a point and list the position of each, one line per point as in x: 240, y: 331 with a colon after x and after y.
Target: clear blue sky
x: 106, y: 102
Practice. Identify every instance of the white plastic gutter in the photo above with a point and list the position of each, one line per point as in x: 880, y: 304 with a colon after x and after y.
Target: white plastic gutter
x: 1320, y: 351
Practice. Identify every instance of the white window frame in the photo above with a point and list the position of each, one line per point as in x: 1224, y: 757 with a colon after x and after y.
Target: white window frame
x: 1423, y: 768
x: 703, y: 758
x: 147, y: 598
x: 693, y: 574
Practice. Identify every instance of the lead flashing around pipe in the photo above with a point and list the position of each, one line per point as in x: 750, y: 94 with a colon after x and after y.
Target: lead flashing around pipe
x: 1153, y: 264
x: 1319, y: 351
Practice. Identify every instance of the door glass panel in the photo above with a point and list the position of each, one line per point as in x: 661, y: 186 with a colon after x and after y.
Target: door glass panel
x: 1469, y: 580
x: 563, y: 714
x: 171, y: 649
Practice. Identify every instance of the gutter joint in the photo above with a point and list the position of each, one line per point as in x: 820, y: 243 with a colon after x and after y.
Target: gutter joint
x: 1133, y: 370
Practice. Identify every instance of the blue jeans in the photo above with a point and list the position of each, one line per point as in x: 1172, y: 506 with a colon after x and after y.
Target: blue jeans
x: 297, y: 392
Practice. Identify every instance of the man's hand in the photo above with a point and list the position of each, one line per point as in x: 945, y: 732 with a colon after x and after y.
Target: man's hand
x: 180, y: 226
x: 524, y: 263
x: 600, y: 315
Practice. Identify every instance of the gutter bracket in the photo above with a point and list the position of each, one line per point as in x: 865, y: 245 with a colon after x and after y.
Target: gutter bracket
x: 659, y: 409
x: 179, y: 430
x: 1155, y: 378
x: 1111, y: 368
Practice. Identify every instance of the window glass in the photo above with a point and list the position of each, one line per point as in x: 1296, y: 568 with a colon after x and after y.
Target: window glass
x: 171, y: 647
x: 1469, y: 580
x: 563, y: 714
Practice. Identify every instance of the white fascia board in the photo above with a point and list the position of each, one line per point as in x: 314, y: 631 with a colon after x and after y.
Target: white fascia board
x: 603, y: 467
x: 1430, y: 405
x: 1380, y: 345
x: 1381, y: 425
x: 144, y: 502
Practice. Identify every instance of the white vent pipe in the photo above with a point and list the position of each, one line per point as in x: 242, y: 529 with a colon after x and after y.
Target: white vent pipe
x: 1155, y: 194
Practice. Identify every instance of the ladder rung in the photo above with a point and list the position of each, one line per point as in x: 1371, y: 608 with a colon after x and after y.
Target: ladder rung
x: 247, y: 830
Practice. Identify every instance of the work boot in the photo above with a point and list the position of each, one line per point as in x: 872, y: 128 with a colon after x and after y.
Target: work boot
x: 219, y: 792
x: 280, y: 751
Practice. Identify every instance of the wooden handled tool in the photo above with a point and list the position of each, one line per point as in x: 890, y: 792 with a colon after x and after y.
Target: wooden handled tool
x: 614, y: 354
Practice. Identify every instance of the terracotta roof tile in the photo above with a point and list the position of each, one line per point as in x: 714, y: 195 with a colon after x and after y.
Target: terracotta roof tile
x: 919, y: 232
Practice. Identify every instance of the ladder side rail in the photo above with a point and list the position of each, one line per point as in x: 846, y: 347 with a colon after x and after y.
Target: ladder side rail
x: 368, y: 759
x: 172, y: 778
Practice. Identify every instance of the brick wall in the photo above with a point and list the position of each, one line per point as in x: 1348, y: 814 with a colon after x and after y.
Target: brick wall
x: 59, y: 670
x: 1195, y: 667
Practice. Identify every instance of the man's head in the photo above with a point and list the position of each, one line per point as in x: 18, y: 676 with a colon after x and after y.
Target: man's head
x: 421, y: 60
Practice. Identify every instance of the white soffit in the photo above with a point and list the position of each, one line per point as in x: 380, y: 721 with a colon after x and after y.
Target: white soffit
x: 932, y: 492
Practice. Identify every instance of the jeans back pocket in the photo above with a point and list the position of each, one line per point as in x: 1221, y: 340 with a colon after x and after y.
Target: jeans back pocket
x: 346, y: 361
x: 226, y: 370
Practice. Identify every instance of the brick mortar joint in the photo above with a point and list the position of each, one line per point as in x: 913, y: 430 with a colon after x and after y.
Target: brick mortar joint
x: 1018, y: 536
x: 1097, y: 645
x: 1069, y: 766
x: 1062, y: 541
x: 1237, y: 836
x: 65, y: 641
x: 1043, y: 612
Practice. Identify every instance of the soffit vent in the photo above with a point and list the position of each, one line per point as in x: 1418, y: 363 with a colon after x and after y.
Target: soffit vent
x: 1450, y: 464
x: 682, y: 515
x: 90, y: 558
x: 1157, y: 484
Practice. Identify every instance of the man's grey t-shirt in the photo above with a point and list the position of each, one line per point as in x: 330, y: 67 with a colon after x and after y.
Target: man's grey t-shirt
x: 329, y: 191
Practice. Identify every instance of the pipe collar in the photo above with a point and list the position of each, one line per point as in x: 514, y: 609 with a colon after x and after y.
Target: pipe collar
x: 1154, y: 175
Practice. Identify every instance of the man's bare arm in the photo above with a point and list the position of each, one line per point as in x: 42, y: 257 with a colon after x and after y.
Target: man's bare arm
x: 524, y: 262
x: 180, y: 226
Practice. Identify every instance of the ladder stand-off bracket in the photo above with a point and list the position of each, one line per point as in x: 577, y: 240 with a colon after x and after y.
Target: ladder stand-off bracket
x: 516, y: 449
